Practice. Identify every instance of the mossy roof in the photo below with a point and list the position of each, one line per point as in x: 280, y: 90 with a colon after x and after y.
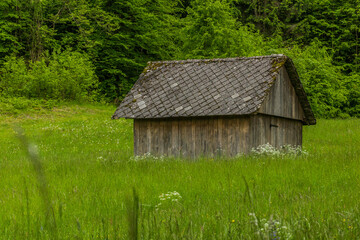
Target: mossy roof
x: 208, y: 87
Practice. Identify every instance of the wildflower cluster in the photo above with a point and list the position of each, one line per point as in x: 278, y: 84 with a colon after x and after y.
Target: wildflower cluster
x: 270, y: 229
x: 147, y: 156
x: 168, y: 198
x: 286, y: 150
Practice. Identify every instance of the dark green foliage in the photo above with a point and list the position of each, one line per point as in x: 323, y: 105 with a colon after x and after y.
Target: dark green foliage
x: 334, y: 23
x: 139, y: 31
x: 11, y: 28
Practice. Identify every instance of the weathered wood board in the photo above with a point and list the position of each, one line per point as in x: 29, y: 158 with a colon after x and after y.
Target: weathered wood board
x: 282, y: 100
x: 213, y: 136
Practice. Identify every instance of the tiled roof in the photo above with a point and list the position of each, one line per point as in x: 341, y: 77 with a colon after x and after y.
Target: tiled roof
x: 213, y: 87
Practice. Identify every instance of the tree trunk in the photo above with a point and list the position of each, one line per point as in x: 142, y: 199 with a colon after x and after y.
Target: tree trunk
x: 36, y: 45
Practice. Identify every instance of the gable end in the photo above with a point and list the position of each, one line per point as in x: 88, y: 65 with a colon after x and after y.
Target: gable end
x: 282, y: 100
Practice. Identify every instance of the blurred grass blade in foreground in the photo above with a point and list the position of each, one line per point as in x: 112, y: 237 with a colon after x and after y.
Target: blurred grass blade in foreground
x: 133, y: 215
x: 32, y: 153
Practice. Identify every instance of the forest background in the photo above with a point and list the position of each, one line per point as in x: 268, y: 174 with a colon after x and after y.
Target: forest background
x: 94, y: 50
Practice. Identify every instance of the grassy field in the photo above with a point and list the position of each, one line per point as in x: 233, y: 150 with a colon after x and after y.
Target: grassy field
x: 84, y: 187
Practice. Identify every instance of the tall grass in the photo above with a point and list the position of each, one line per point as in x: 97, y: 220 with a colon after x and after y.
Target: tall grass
x: 87, y: 162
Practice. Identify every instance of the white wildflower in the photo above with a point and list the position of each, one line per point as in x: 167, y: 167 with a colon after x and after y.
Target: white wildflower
x: 286, y: 150
x: 167, y: 198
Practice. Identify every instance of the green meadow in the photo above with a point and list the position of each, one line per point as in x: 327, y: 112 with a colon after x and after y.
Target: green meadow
x: 71, y: 174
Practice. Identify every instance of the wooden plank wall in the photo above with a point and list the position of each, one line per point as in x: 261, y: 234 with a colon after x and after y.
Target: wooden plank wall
x: 282, y: 99
x: 276, y: 131
x: 213, y: 137
x: 192, y: 138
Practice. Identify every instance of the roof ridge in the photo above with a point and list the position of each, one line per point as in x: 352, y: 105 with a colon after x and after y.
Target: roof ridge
x: 216, y: 59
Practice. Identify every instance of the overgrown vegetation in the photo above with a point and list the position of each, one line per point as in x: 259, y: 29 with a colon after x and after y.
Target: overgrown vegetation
x: 64, y: 76
x: 48, y: 47
x: 90, y: 175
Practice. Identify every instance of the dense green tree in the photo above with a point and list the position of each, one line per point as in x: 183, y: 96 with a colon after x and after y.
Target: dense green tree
x: 335, y: 23
x: 142, y: 30
x: 12, y: 27
x: 211, y: 30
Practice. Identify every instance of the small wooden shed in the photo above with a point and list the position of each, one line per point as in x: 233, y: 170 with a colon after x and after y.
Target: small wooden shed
x: 215, y: 107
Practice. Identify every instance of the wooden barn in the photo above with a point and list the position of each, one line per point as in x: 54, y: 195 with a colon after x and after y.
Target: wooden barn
x: 215, y: 107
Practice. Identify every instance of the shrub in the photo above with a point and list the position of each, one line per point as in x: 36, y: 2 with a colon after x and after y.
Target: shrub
x: 63, y: 76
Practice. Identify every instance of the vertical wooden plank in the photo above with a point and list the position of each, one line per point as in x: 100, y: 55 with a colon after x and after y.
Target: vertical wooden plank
x: 283, y: 131
x: 175, y: 146
x: 211, y: 138
x: 247, y: 131
x: 261, y: 129
x: 160, y: 137
x: 243, y: 142
x: 136, y: 136
x: 190, y: 138
x: 289, y: 97
x: 150, y: 136
x: 167, y: 137
x: 242, y: 137
x: 237, y: 135
x: 182, y: 138
x: 268, y: 129
x: 219, y: 145
x: 204, y: 137
x: 252, y: 133
x: 295, y: 132
x: 282, y: 127
x: 277, y: 94
x: 143, y: 137
x: 233, y: 136
x: 277, y: 122
x: 147, y: 136
x: 194, y: 123
x: 273, y: 132
x: 185, y: 137
x: 197, y: 139
x: 147, y: 145
x: 294, y: 101
x: 286, y: 135
x: 293, y: 126
x: 280, y: 130
x: 284, y: 95
x: 224, y: 137
x: 230, y: 136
